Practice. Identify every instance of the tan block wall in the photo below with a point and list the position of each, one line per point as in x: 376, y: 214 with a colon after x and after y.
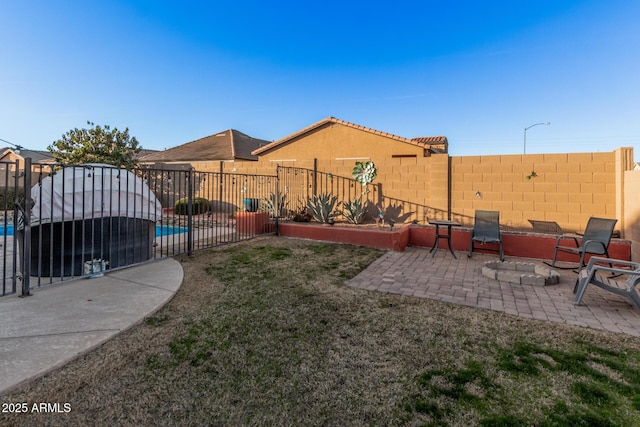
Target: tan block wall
x: 567, y: 188
x: 632, y: 211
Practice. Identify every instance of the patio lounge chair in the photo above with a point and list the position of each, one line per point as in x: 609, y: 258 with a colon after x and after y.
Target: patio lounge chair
x: 610, y: 282
x: 486, y: 230
x: 595, y: 241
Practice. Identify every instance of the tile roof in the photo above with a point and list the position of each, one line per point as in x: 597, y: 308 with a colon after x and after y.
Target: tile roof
x: 227, y: 145
x: 37, y: 156
x: 145, y: 152
x: 438, y: 142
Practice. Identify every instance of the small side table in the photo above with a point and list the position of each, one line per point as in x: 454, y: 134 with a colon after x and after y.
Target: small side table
x: 448, y: 224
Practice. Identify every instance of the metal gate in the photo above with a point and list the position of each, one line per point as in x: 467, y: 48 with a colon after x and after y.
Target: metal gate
x: 11, y: 192
x: 61, y: 223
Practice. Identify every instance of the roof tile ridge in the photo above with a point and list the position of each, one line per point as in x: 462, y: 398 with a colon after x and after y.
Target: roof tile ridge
x: 371, y: 130
x: 194, y: 141
x: 233, y: 144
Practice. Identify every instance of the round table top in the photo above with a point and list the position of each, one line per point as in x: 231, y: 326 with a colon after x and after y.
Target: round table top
x: 444, y: 222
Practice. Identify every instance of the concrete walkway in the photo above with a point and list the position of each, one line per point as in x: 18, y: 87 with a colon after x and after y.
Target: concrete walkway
x: 460, y: 281
x: 62, y: 321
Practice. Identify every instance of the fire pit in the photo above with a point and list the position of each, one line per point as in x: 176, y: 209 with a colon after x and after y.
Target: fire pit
x: 522, y: 273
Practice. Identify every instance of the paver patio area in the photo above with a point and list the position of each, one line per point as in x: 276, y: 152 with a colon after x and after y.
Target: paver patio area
x: 460, y: 281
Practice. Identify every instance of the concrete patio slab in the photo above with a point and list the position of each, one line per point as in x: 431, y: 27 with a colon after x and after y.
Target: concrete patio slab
x: 62, y: 321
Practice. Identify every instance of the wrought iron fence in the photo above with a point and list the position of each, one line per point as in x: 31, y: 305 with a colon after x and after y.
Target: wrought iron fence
x: 298, y: 185
x: 60, y: 223
x: 10, y: 193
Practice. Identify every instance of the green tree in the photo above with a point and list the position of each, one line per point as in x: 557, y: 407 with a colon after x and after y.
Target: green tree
x: 96, y: 145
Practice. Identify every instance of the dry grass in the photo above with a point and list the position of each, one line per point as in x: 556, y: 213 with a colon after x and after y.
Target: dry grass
x: 265, y: 333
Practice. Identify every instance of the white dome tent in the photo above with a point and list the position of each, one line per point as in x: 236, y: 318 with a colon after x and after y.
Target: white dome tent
x: 92, y: 212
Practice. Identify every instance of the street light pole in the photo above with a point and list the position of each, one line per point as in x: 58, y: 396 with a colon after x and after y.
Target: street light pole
x: 524, y: 151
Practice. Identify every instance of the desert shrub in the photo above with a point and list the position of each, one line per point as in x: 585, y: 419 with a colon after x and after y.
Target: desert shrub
x: 200, y: 206
x: 7, y: 197
x: 302, y: 216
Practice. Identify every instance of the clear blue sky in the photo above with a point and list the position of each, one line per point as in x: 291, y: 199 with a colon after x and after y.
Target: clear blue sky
x: 478, y: 72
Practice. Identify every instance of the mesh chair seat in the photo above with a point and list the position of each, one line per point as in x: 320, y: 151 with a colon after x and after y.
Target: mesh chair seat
x: 486, y: 230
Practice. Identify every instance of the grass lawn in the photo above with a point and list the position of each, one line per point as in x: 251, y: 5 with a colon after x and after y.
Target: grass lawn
x: 266, y: 333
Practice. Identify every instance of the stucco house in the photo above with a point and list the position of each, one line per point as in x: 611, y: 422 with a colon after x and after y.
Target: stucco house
x: 37, y: 156
x: 206, y: 153
x: 335, y: 139
x: 410, y: 171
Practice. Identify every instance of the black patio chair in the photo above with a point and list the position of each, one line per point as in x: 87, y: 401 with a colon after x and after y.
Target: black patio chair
x: 486, y: 230
x: 609, y: 281
x: 594, y: 241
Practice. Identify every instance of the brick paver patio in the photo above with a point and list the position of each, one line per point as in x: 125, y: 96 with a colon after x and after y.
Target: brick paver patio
x: 460, y: 281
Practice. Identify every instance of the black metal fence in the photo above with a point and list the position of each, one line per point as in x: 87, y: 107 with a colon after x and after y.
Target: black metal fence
x: 10, y: 192
x: 60, y: 223
x: 298, y: 185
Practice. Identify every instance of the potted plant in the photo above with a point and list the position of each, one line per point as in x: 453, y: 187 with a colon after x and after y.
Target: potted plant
x: 250, y: 204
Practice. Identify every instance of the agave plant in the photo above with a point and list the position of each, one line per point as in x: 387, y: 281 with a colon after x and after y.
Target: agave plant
x: 354, y: 211
x: 321, y: 207
x: 276, y: 204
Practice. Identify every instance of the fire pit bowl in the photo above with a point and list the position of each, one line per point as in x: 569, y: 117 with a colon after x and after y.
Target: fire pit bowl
x: 521, y: 273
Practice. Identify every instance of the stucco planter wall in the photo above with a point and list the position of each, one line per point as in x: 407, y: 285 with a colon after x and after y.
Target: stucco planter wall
x: 518, y: 244
x: 383, y: 238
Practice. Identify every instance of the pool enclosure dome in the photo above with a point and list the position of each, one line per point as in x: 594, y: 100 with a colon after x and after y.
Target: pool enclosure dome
x: 91, y: 212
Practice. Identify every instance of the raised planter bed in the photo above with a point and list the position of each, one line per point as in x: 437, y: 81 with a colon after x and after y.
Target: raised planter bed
x: 380, y: 238
x: 517, y: 244
x: 252, y: 222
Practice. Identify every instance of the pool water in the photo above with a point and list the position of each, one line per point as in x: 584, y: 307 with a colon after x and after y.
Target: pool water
x: 8, y: 229
x: 161, y: 230
x: 167, y: 230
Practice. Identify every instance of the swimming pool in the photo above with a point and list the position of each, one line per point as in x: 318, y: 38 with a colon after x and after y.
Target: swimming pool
x: 167, y: 230
x: 161, y: 230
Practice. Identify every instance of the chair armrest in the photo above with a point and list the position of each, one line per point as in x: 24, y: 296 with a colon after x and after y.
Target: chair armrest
x: 594, y: 260
x: 572, y: 236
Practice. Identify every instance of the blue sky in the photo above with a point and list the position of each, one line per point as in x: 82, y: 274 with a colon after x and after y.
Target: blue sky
x: 478, y: 72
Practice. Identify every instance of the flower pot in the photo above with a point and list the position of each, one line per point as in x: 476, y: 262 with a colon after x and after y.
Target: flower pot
x: 251, y: 205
